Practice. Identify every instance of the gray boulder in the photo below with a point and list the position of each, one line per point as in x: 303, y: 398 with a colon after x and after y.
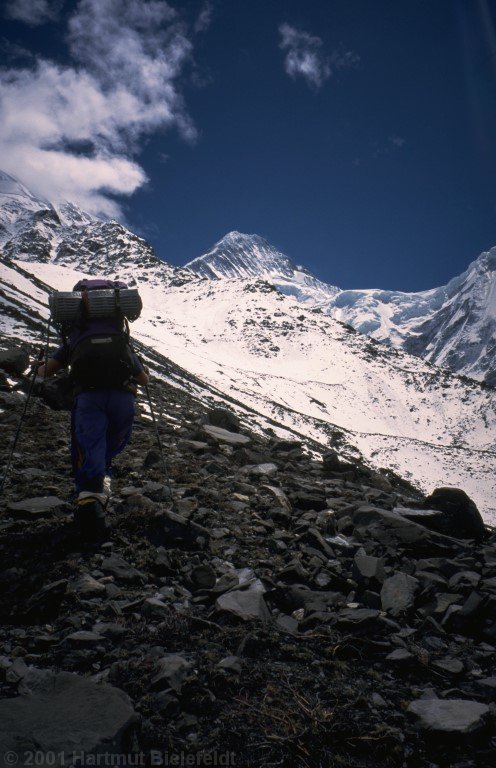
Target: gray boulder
x: 398, y: 593
x: 456, y: 716
x: 221, y: 435
x: 367, y: 568
x: 37, y: 507
x: 118, y: 567
x: 58, y: 392
x: 222, y: 417
x: 63, y: 714
x: 461, y: 518
x: 333, y: 463
x: 14, y: 361
x: 172, y: 671
x: 245, y: 604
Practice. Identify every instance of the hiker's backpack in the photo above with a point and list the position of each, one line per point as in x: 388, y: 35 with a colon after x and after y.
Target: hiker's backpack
x: 93, y: 323
x: 96, y: 299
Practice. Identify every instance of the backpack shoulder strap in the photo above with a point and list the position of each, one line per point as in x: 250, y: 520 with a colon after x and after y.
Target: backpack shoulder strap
x: 120, y: 316
x: 126, y: 331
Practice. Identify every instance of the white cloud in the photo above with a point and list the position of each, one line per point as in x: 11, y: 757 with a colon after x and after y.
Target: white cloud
x: 304, y: 56
x: 204, y: 18
x: 33, y: 12
x: 72, y: 131
x: 397, y: 141
x: 343, y: 59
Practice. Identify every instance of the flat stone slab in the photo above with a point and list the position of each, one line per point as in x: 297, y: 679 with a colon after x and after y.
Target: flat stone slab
x: 172, y: 671
x: 357, y: 617
x: 393, y: 529
x: 450, y: 666
x: 224, y: 436
x: 246, y: 604
x: 87, y: 586
x: 37, y: 506
x: 197, y: 446
x: 418, y: 515
x: 450, y: 715
x: 368, y: 567
x: 83, y: 638
x: 400, y: 656
x: 153, y: 606
x: 63, y: 713
x: 398, y: 593
x: 278, y: 495
x: 121, y: 569
x: 268, y: 468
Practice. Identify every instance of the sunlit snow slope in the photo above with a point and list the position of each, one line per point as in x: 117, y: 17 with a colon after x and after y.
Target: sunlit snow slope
x: 453, y: 326
x: 321, y: 380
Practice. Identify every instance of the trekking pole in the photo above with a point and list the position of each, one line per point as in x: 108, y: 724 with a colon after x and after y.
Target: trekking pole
x: 160, y: 448
x: 47, y: 345
x: 18, y: 431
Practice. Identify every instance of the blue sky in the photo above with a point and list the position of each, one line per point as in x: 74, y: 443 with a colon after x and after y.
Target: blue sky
x: 358, y: 136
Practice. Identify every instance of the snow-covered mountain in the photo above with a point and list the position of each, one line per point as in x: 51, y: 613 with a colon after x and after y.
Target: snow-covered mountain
x: 281, y: 364
x: 35, y: 230
x: 29, y: 225
x: 250, y: 256
x: 453, y: 326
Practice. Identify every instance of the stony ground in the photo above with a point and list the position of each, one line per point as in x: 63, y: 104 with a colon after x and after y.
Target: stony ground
x: 278, y: 613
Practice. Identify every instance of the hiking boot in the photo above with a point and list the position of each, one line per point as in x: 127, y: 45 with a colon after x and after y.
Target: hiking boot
x: 107, y: 485
x: 89, y: 517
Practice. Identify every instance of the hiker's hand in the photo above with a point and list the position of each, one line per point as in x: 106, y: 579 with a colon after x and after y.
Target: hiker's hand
x: 142, y: 378
x: 48, y: 369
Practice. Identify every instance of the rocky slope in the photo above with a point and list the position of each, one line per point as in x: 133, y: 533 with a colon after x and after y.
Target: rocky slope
x: 286, y: 608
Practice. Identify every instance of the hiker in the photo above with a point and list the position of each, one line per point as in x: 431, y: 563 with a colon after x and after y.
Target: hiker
x: 105, y: 373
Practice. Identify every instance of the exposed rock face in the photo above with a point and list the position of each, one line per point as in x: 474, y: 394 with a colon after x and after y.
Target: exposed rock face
x: 283, y: 608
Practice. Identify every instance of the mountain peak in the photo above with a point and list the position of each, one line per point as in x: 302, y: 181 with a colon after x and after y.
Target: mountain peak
x: 239, y: 255
x: 242, y: 237
x: 12, y: 188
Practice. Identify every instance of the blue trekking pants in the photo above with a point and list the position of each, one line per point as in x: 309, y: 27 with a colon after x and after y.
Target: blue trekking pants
x: 102, y: 422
